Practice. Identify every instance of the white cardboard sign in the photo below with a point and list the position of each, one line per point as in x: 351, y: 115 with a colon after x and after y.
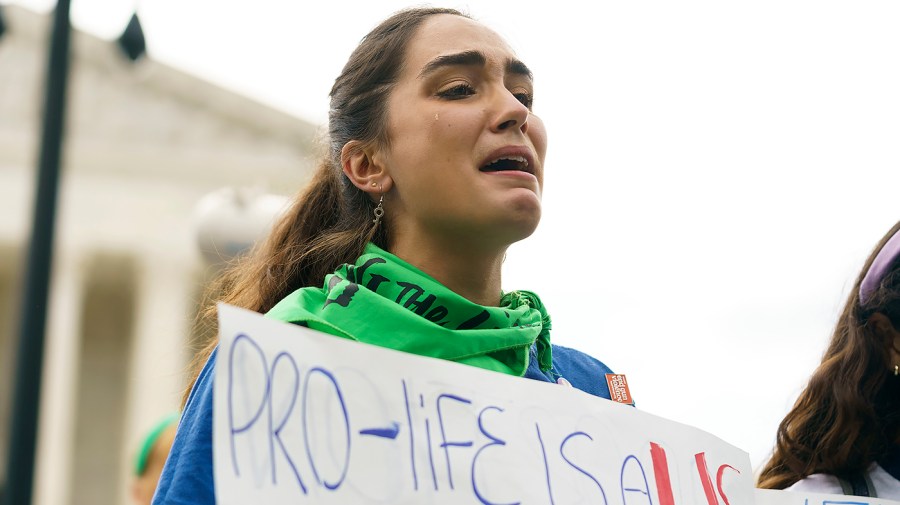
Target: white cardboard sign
x: 303, y: 417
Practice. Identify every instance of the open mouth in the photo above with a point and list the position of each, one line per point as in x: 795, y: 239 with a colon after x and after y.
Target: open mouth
x: 508, y: 163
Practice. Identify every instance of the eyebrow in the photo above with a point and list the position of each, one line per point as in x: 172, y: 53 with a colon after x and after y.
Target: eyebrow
x: 472, y: 58
x: 514, y: 66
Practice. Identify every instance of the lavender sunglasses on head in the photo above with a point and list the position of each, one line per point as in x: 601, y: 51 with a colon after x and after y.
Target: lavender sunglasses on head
x: 881, y: 265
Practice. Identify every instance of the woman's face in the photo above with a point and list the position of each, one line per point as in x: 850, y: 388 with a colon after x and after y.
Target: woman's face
x: 465, y: 153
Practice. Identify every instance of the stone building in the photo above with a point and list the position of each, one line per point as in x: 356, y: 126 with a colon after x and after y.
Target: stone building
x: 144, y: 143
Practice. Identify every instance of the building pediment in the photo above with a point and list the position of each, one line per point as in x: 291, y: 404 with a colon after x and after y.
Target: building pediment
x: 144, y: 118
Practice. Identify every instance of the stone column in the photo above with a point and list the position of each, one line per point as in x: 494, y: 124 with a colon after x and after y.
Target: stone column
x: 56, y: 423
x: 160, y: 348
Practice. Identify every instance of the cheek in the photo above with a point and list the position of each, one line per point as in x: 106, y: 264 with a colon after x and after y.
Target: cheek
x: 454, y: 122
x: 408, y: 134
x: 538, y: 135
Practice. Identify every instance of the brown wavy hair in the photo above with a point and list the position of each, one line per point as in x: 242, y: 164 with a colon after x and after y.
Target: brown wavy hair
x: 330, y: 221
x: 848, y: 416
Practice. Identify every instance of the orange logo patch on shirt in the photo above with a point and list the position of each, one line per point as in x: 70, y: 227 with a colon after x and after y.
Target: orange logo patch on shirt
x: 618, y: 388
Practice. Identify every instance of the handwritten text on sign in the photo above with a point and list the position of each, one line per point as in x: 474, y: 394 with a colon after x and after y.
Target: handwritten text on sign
x: 306, y: 417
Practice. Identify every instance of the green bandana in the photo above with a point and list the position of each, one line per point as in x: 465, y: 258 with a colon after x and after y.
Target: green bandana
x: 383, y: 300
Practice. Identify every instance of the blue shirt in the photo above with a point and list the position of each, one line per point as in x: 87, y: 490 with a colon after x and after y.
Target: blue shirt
x: 187, y: 477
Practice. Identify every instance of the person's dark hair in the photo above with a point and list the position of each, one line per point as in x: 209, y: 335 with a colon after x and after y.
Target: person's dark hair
x: 330, y: 221
x: 848, y: 416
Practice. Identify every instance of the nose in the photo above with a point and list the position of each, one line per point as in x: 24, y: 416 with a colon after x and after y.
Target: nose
x: 510, y: 113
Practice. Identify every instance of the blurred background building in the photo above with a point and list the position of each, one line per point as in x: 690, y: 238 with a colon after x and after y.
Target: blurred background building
x: 147, y: 152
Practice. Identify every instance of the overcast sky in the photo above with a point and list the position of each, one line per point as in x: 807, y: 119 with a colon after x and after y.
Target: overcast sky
x: 717, y: 171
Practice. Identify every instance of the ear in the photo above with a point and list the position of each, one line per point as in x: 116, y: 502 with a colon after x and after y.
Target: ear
x: 364, y: 166
x: 891, y: 336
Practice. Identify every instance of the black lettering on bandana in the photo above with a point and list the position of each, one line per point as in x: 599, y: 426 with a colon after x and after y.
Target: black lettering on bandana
x: 356, y: 273
x: 346, y: 295
x: 421, y: 305
x: 407, y: 287
x: 374, y: 282
x: 475, y: 321
x: 415, y: 301
x: 437, y: 314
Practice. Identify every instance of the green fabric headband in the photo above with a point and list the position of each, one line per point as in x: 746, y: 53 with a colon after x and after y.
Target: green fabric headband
x: 150, y: 440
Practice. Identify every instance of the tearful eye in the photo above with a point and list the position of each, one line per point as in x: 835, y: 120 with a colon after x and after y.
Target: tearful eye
x: 526, y: 99
x: 457, y: 92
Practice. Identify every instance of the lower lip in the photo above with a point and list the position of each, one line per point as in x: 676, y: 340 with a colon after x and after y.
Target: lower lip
x: 512, y: 173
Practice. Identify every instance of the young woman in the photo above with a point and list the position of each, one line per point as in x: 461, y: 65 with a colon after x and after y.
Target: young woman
x: 843, y: 434
x: 436, y: 166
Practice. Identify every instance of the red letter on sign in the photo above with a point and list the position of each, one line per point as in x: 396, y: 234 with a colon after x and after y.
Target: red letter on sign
x: 661, y: 472
x: 704, y: 478
x: 719, y: 481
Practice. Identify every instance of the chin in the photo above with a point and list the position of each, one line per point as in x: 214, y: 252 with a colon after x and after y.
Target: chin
x: 520, y: 225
